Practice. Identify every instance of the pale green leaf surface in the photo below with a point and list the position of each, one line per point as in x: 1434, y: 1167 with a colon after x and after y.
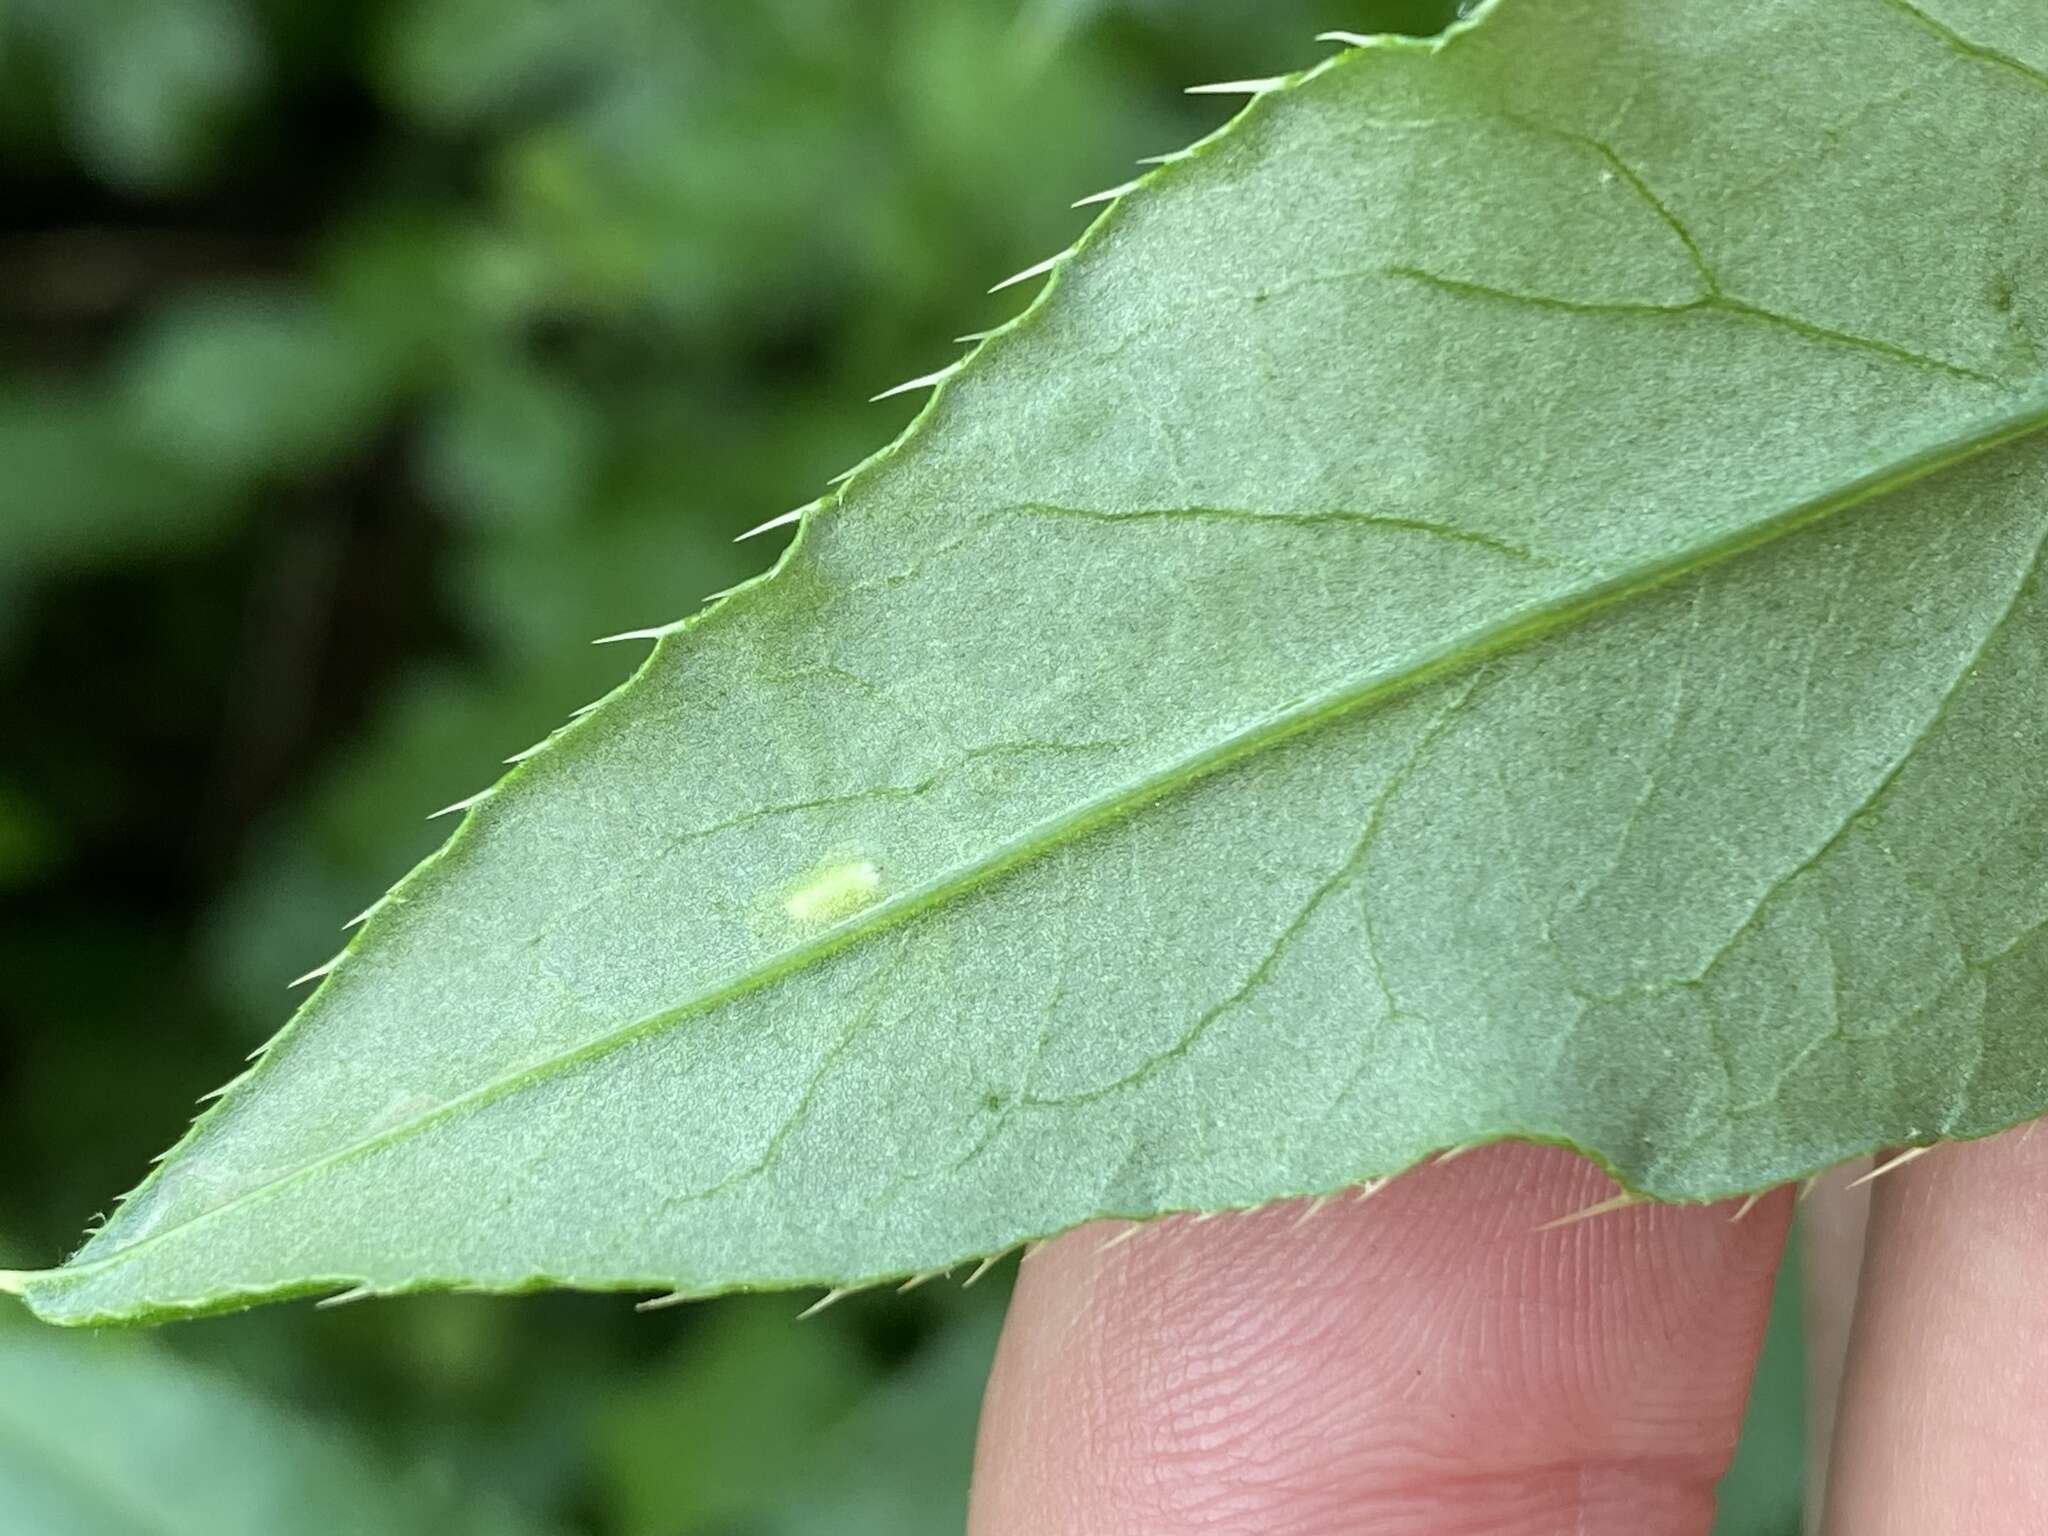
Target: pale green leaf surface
x: 102, y: 1437
x: 1499, y: 597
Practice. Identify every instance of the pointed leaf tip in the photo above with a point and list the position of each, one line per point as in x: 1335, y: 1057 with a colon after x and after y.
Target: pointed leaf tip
x: 650, y: 632
x: 1036, y: 269
x: 463, y: 805
x: 1108, y: 194
x: 1621, y: 1202
x: 830, y: 1298
x: 1891, y: 1165
x: 793, y: 515
x: 314, y: 974
x: 1238, y: 87
x: 923, y: 381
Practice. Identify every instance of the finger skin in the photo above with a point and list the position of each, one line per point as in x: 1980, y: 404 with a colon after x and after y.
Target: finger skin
x: 1425, y: 1362
x: 1944, y: 1421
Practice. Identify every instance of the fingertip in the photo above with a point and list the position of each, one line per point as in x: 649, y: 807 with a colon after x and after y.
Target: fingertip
x: 1944, y: 1399
x: 1429, y: 1358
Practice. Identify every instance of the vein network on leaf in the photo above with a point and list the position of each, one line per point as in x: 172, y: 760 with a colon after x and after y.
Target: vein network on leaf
x: 812, y: 1022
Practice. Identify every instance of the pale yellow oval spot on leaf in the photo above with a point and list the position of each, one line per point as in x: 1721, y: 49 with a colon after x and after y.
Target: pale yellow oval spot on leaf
x: 833, y: 891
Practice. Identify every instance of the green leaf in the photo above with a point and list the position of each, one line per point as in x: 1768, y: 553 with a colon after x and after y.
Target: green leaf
x: 242, y: 380
x: 102, y: 1437
x: 1764, y: 1489
x: 728, y: 1427
x: 80, y: 491
x: 897, y: 1465
x: 147, y: 91
x: 760, y: 1426
x: 1499, y: 596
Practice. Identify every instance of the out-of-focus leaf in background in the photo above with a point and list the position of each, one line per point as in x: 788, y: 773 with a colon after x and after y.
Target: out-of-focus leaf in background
x: 1762, y: 1492
x: 144, y: 92
x: 709, y: 1437
x: 117, y: 1437
x: 763, y: 1427
x: 359, y: 363
x: 896, y: 1464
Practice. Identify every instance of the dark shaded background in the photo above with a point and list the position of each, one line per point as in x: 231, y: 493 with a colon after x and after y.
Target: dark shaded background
x: 361, y: 360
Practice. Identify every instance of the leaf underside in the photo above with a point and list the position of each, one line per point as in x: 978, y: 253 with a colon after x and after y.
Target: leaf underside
x: 1500, y: 595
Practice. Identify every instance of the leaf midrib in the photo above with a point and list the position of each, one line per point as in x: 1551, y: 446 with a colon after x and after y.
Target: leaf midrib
x: 1470, y: 648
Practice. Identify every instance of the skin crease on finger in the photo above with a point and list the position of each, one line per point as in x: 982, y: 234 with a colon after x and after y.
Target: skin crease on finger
x: 1427, y: 1361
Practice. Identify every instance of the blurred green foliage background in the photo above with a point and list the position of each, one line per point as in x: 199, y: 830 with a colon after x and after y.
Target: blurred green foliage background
x: 360, y: 361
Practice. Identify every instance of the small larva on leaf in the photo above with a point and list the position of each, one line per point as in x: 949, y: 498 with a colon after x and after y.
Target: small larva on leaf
x: 833, y: 891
